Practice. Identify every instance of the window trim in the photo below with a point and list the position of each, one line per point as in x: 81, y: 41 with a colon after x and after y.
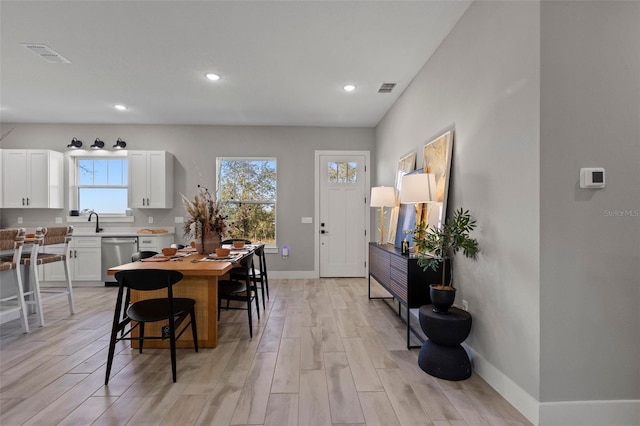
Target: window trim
x: 269, y: 247
x: 72, y: 186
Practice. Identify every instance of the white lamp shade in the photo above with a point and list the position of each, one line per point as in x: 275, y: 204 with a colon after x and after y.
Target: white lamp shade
x: 418, y: 188
x: 383, y: 196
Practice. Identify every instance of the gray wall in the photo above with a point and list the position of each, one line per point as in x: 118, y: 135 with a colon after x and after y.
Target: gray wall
x: 590, y: 256
x: 195, y: 149
x: 535, y: 92
x: 484, y: 80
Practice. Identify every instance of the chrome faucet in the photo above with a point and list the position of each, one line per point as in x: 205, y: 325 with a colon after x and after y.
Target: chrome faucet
x: 98, y: 229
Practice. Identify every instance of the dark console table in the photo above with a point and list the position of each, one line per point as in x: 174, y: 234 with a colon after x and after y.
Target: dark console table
x: 401, y: 276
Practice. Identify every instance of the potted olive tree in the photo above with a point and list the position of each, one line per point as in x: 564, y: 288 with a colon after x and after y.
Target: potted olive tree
x: 437, y: 244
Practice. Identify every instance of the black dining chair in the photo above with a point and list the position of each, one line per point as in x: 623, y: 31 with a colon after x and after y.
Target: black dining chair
x: 139, y: 255
x: 174, y: 310
x: 241, y: 288
x: 261, y: 274
x: 231, y: 240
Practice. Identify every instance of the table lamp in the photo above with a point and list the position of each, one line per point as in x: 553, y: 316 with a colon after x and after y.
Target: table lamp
x: 382, y: 196
x: 416, y: 189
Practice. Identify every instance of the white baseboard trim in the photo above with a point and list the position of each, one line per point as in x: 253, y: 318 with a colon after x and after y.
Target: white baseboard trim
x: 561, y: 413
x: 507, y: 388
x: 293, y: 275
x: 9, y: 316
x: 590, y: 413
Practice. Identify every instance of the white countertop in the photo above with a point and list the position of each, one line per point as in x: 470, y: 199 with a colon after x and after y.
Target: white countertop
x: 119, y: 231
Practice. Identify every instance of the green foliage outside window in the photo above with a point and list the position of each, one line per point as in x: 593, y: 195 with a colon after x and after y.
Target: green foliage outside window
x: 247, y: 187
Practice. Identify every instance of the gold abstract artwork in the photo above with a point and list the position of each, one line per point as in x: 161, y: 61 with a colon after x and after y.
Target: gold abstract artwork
x: 436, y: 158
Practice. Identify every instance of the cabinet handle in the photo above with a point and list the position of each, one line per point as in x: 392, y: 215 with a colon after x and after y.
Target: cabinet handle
x: 23, y: 201
x: 27, y: 200
x: 143, y: 201
x: 147, y: 202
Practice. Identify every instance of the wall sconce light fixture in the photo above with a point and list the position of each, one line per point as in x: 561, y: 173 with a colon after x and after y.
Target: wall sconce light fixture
x: 97, y: 144
x: 75, y: 144
x: 120, y: 144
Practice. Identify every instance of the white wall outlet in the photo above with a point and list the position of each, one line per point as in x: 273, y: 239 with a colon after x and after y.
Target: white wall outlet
x: 465, y: 305
x: 307, y: 220
x: 150, y: 219
x: 179, y: 219
x: 19, y: 220
x: 58, y: 220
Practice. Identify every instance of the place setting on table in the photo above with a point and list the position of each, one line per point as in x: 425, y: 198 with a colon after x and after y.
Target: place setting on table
x: 232, y: 253
x: 168, y: 254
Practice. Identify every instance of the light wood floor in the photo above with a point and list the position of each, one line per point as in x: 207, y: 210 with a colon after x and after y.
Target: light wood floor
x: 321, y: 354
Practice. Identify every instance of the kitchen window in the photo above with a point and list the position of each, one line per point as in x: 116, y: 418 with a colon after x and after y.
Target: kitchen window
x: 101, y: 184
x: 247, y: 187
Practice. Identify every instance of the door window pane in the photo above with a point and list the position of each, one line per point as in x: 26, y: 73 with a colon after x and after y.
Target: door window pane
x: 343, y: 172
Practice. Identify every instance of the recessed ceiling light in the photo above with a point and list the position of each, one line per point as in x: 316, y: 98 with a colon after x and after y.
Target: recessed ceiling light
x: 349, y: 87
x: 213, y: 77
x: 120, y: 107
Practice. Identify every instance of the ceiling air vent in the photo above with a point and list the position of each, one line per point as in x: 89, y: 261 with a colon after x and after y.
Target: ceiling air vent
x: 386, y: 87
x: 46, y: 53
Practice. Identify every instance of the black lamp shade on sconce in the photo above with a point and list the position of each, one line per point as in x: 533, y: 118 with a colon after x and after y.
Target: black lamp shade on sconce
x: 75, y: 144
x: 97, y: 144
x: 120, y: 144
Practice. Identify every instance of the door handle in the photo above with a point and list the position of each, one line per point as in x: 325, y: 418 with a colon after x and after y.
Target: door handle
x: 324, y: 232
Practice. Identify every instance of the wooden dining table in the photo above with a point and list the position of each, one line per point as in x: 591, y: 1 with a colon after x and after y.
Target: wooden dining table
x: 200, y: 282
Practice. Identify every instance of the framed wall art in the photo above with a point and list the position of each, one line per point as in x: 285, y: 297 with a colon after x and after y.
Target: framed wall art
x: 436, y: 157
x: 405, y: 165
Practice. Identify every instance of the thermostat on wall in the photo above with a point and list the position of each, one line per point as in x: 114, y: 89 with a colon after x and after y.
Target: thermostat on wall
x: 592, y: 177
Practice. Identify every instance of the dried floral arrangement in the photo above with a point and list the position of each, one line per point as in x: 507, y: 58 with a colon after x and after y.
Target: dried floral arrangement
x: 205, y: 214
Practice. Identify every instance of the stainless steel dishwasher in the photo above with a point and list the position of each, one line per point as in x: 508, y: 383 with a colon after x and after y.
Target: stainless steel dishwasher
x: 116, y: 251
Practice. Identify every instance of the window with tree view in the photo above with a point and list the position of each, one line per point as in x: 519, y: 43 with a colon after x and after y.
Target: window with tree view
x: 247, y: 187
x: 102, y: 184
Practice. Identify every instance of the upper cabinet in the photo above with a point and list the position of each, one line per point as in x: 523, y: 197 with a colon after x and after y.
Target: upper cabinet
x: 150, y: 180
x: 32, y: 178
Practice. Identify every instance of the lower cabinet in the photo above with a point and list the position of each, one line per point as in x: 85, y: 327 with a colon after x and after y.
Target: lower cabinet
x: 85, y: 258
x: 84, y: 262
x: 154, y: 242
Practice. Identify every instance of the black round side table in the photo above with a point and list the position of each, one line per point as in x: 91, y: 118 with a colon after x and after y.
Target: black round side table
x: 441, y: 355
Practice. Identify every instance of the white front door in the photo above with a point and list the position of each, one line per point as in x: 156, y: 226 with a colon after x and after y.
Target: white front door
x: 342, y: 214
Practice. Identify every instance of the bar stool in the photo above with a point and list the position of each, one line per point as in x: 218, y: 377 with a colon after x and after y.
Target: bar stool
x: 48, y: 237
x: 13, y: 239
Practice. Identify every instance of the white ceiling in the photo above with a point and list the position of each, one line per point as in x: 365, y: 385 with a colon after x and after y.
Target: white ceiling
x: 282, y: 62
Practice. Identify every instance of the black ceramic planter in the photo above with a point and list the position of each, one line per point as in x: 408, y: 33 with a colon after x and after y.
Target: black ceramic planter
x: 441, y: 299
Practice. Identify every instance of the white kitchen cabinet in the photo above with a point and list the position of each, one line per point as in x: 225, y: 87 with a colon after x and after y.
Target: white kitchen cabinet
x: 150, y: 179
x: 154, y: 242
x: 84, y: 262
x: 32, y: 178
